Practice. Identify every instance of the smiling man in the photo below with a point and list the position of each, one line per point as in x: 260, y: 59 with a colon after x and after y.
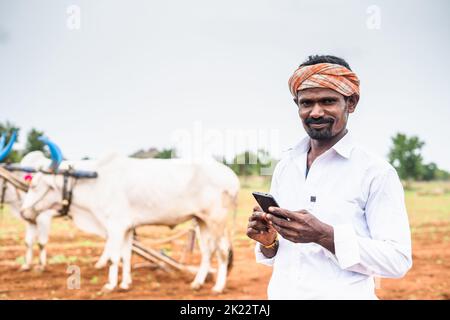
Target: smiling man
x: 342, y: 218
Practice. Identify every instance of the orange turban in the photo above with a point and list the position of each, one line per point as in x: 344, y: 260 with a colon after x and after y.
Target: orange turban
x: 325, y: 75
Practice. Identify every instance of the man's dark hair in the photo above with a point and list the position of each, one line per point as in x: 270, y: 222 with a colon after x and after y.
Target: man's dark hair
x: 315, y: 59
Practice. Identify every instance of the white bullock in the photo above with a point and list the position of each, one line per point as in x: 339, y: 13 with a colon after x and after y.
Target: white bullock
x: 133, y: 192
x: 37, y: 230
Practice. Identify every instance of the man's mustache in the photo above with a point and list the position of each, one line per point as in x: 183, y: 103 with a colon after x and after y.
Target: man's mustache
x: 318, y: 120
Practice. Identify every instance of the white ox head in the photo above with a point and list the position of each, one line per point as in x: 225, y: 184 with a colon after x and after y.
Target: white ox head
x: 43, y: 194
x: 12, y: 195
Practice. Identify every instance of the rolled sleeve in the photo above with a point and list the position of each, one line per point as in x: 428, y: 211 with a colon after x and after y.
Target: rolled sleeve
x: 346, y: 246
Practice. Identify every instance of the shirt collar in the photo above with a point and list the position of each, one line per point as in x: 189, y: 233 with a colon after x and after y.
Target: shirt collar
x: 343, y: 147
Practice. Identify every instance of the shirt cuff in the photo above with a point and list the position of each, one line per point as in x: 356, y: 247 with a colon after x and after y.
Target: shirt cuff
x: 261, y: 258
x: 346, y: 246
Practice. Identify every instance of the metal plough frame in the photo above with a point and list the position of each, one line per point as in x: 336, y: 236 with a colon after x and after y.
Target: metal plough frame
x: 160, y: 260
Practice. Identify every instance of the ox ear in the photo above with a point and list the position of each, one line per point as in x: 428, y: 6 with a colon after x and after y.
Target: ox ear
x: 5, y: 151
x: 55, y: 152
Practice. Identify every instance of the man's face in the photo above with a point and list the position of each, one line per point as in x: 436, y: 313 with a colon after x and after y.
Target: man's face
x: 324, y: 112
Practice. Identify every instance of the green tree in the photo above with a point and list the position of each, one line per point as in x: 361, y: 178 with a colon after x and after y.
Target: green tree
x: 265, y: 160
x: 33, y: 144
x: 405, y: 156
x: 244, y: 164
x: 429, y: 172
x: 249, y: 163
x: 442, y: 175
x: 9, y: 128
x: 166, y: 154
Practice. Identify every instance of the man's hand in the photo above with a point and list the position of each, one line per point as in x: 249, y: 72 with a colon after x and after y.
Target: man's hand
x: 259, y: 229
x: 301, y: 227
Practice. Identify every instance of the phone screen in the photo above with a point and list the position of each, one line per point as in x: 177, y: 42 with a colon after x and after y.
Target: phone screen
x: 266, y: 200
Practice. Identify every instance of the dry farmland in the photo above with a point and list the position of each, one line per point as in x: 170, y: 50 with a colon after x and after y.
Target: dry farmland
x: 428, y: 206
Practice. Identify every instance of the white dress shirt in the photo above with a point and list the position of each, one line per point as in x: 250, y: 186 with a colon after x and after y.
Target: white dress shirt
x: 361, y: 196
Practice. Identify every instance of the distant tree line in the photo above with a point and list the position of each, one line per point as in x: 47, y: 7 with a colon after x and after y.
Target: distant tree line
x: 244, y: 164
x: 250, y: 163
x: 405, y: 155
x: 155, y: 153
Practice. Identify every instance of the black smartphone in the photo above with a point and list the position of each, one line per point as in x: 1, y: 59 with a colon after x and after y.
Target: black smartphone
x: 266, y: 200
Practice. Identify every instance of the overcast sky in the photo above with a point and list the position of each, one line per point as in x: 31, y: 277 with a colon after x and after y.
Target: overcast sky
x: 135, y: 74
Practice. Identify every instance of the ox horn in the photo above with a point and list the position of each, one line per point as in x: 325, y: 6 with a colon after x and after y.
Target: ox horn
x: 55, y: 152
x: 4, y: 152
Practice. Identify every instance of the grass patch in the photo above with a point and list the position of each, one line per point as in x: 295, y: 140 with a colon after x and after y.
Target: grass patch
x: 94, y: 280
x: 20, y: 260
x: 61, y: 258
